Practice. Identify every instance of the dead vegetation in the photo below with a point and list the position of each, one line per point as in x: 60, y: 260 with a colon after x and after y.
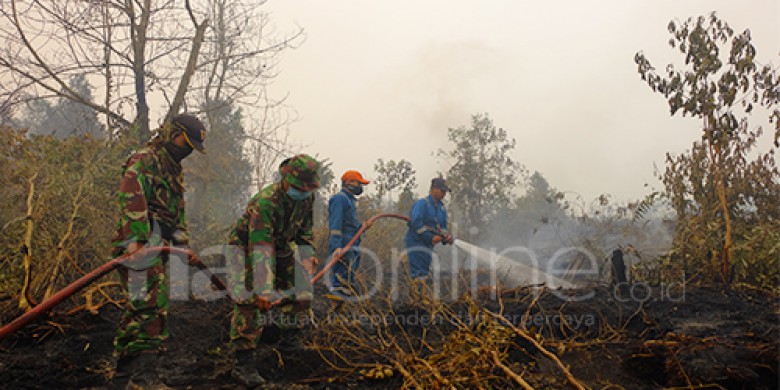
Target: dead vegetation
x: 531, y: 338
x: 57, y: 217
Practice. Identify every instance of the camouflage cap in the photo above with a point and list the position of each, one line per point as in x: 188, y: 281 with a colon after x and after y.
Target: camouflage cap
x: 302, y: 172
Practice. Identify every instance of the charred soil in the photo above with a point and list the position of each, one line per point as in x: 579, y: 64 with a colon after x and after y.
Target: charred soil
x: 702, y: 336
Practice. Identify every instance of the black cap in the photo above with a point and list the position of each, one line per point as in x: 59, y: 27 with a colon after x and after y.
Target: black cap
x: 194, y: 130
x: 440, y: 183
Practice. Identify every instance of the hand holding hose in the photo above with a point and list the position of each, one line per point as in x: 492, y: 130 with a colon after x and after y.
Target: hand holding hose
x: 442, y: 236
x: 263, y: 303
x: 310, y: 265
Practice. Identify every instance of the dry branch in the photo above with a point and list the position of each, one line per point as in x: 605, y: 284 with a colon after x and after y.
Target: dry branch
x: 508, y: 371
x: 25, y: 300
x: 574, y: 382
x: 61, y: 250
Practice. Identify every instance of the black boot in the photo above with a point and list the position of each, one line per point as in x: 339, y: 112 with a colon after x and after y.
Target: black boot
x: 139, y: 371
x: 290, y: 341
x: 245, y: 369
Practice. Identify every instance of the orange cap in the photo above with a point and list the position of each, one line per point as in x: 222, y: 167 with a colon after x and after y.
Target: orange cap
x: 354, y: 175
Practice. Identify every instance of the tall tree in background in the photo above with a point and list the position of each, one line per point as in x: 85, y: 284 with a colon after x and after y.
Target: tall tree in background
x: 241, y: 143
x: 541, y: 202
x: 63, y: 118
x: 223, y: 177
x: 483, y: 176
x: 139, y: 50
x: 715, y: 188
x: 124, y: 43
x: 392, y: 175
x: 241, y: 52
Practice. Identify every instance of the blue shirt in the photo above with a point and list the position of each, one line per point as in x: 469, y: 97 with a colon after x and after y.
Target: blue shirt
x: 426, y: 215
x: 342, y: 220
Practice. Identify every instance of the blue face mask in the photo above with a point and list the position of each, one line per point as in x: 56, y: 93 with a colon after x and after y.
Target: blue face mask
x: 298, y: 195
x: 354, y: 189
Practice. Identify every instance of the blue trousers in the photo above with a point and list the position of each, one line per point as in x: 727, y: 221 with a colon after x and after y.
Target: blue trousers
x: 345, y: 268
x: 420, y: 258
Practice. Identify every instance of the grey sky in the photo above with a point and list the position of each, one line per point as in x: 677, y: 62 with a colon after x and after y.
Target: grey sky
x: 385, y: 79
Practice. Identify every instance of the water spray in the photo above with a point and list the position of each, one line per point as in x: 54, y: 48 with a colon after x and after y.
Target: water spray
x: 515, y: 272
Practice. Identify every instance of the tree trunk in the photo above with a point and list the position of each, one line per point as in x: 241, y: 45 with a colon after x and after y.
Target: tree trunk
x: 727, y: 240
x: 715, y: 151
x: 107, y: 30
x: 138, y: 36
x: 192, y: 62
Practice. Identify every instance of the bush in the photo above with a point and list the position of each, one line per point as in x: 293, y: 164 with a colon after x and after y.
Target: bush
x: 58, y: 212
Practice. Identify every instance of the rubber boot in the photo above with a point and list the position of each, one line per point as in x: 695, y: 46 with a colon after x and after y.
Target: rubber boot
x: 245, y: 369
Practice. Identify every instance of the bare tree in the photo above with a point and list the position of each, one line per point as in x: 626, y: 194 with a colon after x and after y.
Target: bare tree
x: 141, y: 50
x: 236, y: 71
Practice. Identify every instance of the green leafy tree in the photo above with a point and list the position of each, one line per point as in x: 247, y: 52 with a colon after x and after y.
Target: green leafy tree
x: 541, y: 203
x: 716, y: 190
x: 392, y: 175
x: 219, y: 180
x: 405, y: 201
x: 328, y: 187
x: 64, y: 117
x: 483, y: 176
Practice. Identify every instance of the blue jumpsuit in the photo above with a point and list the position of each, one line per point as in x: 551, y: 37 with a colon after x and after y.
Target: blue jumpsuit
x: 426, y: 215
x: 343, y: 224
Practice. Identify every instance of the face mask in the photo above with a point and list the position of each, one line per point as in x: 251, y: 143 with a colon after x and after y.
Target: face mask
x: 354, y: 189
x: 298, y: 195
x: 178, y: 152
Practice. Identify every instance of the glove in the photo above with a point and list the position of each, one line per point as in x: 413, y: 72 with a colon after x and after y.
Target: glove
x: 338, y: 253
x: 265, y: 302
x: 448, y: 239
x: 310, y: 265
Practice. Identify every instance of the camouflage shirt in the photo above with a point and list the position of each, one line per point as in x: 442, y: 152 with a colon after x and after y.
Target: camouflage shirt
x: 151, y: 199
x: 271, y: 221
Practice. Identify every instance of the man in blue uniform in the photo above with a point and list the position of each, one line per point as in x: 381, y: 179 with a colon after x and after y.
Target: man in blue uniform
x: 343, y: 224
x: 427, y: 227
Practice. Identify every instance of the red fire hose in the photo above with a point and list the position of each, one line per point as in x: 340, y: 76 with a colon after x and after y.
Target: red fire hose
x: 351, y: 242
x: 85, y: 280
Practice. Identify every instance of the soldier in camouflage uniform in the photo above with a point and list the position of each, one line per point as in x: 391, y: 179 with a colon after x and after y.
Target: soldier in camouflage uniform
x: 277, y: 221
x: 151, y: 199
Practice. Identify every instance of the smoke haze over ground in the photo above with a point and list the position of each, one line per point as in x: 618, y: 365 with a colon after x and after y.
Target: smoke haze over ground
x: 387, y: 79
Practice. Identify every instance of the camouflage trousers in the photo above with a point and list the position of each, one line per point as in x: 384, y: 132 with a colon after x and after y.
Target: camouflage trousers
x: 247, y: 320
x: 143, y: 323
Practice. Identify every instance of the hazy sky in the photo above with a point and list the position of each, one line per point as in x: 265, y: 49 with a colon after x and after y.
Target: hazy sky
x: 386, y: 79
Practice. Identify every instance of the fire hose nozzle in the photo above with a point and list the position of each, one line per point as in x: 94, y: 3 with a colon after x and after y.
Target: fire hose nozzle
x: 446, y: 237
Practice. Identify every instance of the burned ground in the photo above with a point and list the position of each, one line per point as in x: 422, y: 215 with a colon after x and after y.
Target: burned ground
x: 704, y: 336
